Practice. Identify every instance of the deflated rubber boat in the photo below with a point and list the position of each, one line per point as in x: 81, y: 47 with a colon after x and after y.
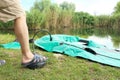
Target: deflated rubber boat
x: 11, y: 45
x: 74, y: 46
x: 79, y: 47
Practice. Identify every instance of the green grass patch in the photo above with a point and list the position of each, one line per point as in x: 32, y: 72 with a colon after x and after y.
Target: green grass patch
x: 58, y: 67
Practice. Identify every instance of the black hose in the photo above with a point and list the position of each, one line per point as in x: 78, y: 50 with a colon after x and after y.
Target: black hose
x: 32, y: 40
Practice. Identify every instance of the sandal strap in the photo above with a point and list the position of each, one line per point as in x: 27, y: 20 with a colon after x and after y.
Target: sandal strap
x: 39, y: 58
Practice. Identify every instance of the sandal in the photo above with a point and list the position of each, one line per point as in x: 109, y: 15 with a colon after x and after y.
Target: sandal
x: 38, y: 62
x: 2, y: 62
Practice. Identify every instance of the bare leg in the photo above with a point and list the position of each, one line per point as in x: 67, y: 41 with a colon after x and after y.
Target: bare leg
x: 21, y: 31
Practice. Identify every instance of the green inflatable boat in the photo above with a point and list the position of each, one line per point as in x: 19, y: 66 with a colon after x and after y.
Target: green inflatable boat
x: 11, y: 45
x: 79, y: 47
x: 74, y: 46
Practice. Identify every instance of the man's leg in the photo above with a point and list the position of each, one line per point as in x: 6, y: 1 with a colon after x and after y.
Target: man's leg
x: 16, y: 13
x: 21, y: 31
x: 29, y: 59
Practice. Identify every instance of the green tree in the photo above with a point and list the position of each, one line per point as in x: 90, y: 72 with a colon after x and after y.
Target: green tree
x: 67, y: 10
x: 117, y: 8
x: 83, y: 19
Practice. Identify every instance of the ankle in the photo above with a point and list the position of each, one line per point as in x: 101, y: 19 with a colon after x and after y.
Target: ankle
x: 27, y: 58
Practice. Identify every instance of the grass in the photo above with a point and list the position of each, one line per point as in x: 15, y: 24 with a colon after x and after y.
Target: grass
x: 57, y: 68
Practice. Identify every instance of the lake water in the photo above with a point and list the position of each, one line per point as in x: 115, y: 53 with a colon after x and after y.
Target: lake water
x: 107, y: 41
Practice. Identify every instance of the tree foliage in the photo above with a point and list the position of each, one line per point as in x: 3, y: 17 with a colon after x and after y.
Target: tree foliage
x: 54, y: 17
x: 117, y: 8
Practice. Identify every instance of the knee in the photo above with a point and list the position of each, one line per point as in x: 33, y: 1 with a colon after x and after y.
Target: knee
x: 21, y: 17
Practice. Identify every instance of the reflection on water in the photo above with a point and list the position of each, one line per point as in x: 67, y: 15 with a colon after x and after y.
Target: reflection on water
x: 106, y: 41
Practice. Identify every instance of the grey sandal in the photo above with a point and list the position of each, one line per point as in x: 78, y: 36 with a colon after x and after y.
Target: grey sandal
x: 38, y: 62
x: 2, y: 62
